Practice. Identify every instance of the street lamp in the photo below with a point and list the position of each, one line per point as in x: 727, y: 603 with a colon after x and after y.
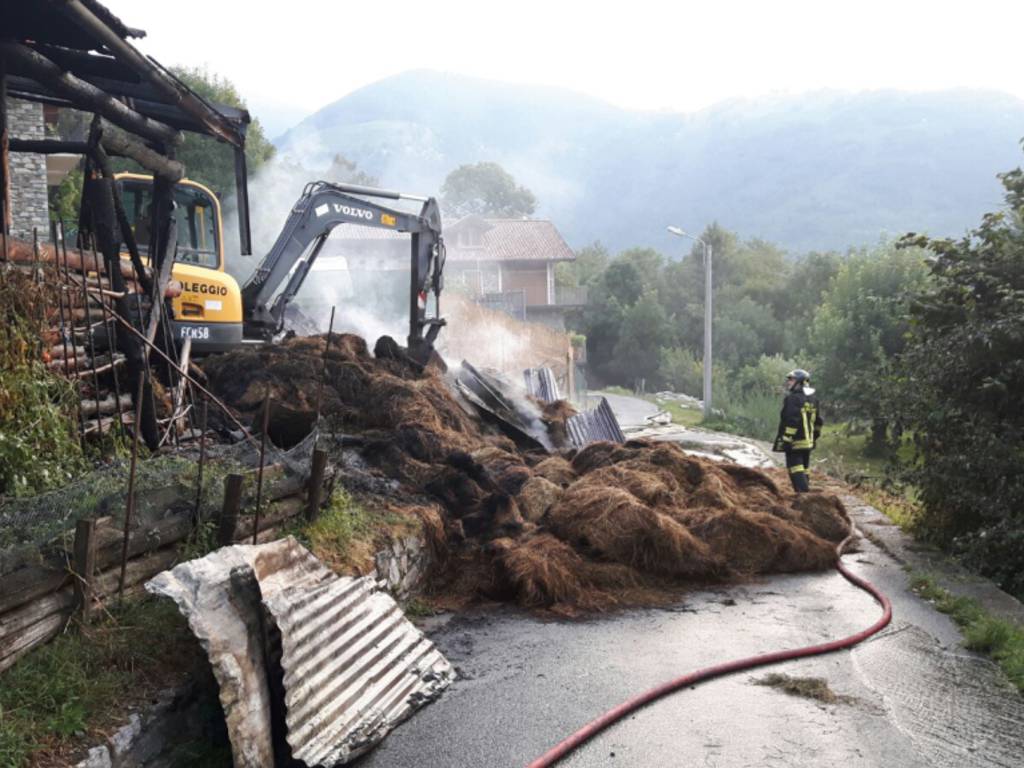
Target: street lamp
x: 707, y: 316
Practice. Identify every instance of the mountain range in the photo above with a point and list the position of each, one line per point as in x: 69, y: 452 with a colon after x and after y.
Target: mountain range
x: 821, y: 170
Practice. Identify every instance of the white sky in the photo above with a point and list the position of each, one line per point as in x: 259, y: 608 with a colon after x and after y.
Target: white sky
x: 639, y: 54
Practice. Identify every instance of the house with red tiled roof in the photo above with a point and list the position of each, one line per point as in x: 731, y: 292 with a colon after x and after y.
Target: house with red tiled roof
x: 506, y: 264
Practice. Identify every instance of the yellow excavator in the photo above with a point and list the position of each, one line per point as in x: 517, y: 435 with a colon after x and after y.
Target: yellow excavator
x: 216, y: 314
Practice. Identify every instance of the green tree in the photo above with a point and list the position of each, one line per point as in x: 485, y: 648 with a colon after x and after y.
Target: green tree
x: 644, y: 332
x: 486, y: 189
x: 860, y: 328
x: 623, y: 282
x: 960, y: 385
x: 590, y: 262
x: 66, y: 198
x: 207, y: 160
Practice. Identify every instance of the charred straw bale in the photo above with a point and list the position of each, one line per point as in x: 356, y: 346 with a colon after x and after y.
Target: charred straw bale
x: 823, y: 515
x: 575, y: 531
x: 615, y: 525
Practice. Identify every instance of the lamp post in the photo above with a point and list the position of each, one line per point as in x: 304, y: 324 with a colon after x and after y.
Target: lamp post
x: 707, y: 316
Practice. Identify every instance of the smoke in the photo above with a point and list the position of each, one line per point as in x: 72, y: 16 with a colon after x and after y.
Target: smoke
x: 366, y: 281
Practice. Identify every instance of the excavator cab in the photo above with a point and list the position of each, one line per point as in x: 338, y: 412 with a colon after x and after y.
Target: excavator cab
x: 209, y: 309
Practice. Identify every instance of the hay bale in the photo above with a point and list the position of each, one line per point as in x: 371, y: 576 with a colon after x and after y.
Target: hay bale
x: 689, y: 471
x: 824, y: 515
x: 597, y: 455
x: 539, y: 571
x: 615, y: 525
x: 653, y: 486
x: 536, y: 497
x: 756, y: 542
x: 557, y: 470
x: 748, y: 477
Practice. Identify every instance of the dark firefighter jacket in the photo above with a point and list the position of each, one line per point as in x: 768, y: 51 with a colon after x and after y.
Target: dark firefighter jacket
x: 800, y: 421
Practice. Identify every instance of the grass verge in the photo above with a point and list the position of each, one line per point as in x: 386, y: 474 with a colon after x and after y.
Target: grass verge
x: 346, y: 535
x: 84, y: 679
x: 999, y: 639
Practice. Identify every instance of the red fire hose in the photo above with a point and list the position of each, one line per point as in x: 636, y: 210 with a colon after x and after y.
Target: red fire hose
x: 555, y: 754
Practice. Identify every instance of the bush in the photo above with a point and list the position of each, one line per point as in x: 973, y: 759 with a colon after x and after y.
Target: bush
x: 39, y: 448
x: 959, y: 387
x: 681, y: 371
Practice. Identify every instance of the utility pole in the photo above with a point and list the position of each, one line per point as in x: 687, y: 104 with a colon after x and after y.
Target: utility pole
x: 707, y: 315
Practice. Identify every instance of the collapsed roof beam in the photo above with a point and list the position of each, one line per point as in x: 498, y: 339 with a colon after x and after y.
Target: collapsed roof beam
x: 84, y: 95
x: 168, y: 87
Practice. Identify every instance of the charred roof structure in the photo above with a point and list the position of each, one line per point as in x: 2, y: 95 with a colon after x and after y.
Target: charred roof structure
x: 76, y: 54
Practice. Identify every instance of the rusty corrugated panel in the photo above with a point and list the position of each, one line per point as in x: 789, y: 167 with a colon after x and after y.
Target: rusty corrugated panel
x: 540, y: 383
x: 342, y: 656
x: 597, y: 424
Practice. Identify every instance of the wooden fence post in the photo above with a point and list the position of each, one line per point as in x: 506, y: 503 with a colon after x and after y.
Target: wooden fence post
x: 229, y: 511
x: 85, y: 566
x: 316, y: 484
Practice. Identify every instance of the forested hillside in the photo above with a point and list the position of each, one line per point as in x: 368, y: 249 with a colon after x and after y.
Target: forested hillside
x: 815, y: 171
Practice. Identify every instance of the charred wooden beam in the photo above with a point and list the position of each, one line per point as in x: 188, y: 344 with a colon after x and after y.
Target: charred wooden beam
x: 49, y: 146
x: 83, y: 94
x: 168, y: 87
x: 117, y: 143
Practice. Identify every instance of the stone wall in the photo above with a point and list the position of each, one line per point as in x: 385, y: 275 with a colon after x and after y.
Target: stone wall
x: 29, y: 202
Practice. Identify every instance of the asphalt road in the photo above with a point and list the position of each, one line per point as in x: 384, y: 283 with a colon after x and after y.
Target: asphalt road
x: 915, y: 698
x: 911, y: 697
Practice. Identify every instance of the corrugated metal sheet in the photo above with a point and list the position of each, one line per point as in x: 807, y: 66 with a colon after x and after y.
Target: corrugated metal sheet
x: 496, y: 400
x: 352, y: 666
x: 597, y: 424
x: 540, y: 383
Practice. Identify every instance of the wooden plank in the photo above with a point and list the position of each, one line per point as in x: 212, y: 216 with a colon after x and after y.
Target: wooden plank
x: 13, y: 648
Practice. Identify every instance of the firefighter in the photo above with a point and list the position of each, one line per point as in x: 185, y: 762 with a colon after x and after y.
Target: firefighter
x: 799, y: 428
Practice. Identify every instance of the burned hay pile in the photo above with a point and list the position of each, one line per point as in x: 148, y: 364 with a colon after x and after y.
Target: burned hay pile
x: 580, y: 530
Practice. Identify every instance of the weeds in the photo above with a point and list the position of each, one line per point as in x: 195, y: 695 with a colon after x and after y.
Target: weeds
x: 999, y: 639
x: 73, y: 685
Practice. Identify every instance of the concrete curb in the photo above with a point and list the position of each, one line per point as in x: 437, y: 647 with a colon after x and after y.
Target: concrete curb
x: 927, y: 559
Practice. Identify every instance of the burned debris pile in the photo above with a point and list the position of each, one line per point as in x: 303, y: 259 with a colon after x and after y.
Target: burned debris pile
x: 566, y: 529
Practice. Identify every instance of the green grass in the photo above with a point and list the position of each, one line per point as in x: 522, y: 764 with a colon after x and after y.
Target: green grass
x: 346, y: 534
x: 75, y: 684
x: 999, y: 639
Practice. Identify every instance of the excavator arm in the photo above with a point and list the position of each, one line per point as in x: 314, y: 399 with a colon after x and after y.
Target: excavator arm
x: 322, y: 207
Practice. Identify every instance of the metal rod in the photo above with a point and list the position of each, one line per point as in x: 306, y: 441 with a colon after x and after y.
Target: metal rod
x: 110, y: 329
x: 323, y: 377
x: 707, y: 330
x: 65, y: 290
x: 88, y: 333
x: 130, y: 502
x: 197, y: 514
x: 217, y: 401
x: 91, y: 335
x: 263, y: 454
